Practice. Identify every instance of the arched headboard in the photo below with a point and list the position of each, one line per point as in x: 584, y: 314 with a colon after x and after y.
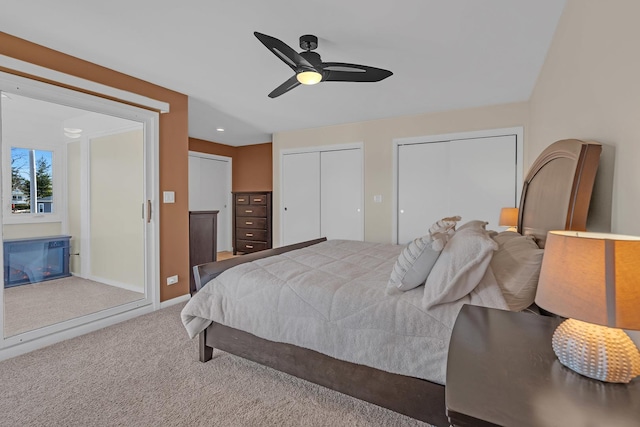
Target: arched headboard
x: 557, y: 190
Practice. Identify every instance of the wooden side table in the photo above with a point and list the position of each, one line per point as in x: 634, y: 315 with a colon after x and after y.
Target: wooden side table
x: 502, y: 371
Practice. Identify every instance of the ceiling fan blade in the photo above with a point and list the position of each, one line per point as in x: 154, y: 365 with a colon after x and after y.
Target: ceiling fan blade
x: 285, y: 87
x: 289, y: 56
x: 341, y: 72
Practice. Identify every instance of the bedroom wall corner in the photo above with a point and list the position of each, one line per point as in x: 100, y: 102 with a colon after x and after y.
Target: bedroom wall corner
x: 589, y: 88
x: 173, y: 149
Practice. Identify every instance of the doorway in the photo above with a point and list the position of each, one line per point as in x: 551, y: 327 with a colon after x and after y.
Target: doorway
x: 78, y: 183
x: 210, y: 190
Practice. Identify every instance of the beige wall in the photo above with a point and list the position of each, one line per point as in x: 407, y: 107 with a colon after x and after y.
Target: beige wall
x: 19, y: 231
x: 377, y: 137
x: 117, y: 227
x: 589, y: 88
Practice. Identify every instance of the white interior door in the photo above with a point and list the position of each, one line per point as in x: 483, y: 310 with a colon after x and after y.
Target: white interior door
x: 342, y: 215
x: 300, y: 197
x: 210, y: 189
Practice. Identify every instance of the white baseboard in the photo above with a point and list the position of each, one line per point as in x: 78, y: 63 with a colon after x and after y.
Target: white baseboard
x: 174, y: 301
x: 126, y: 286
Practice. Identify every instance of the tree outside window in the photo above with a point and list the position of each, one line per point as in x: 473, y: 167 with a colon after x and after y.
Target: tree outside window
x: 31, y: 181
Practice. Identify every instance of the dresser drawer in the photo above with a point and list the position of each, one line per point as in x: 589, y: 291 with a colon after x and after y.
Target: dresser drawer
x: 246, y: 222
x: 258, y: 199
x: 247, y: 246
x: 251, y: 234
x: 242, y: 200
x: 251, y: 211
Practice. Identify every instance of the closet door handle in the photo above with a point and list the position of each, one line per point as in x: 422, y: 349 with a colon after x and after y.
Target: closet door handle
x: 148, y: 211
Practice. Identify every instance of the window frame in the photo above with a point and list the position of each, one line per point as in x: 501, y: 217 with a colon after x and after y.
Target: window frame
x: 58, y: 165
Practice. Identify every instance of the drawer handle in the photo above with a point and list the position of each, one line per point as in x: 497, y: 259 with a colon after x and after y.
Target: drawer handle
x: 249, y: 234
x: 248, y: 211
x: 248, y: 222
x: 257, y: 200
x: 249, y: 246
x: 241, y: 200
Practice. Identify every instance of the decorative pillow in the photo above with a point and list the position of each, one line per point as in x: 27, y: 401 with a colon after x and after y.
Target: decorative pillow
x: 442, y: 231
x: 476, y: 224
x: 460, y: 267
x: 516, y: 266
x: 416, y: 260
x: 505, y: 236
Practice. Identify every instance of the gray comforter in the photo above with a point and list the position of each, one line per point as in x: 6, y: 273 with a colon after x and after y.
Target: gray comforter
x: 333, y: 298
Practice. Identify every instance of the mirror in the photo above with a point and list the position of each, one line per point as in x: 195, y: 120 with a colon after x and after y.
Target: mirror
x: 73, y: 224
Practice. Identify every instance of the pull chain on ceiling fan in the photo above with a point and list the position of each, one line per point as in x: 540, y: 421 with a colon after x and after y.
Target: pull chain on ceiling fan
x: 309, y: 68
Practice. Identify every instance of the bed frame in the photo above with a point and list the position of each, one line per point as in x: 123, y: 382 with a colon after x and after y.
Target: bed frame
x: 556, y: 195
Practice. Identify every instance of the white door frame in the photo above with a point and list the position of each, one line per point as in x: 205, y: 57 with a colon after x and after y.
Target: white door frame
x: 320, y: 148
x: 397, y: 142
x: 42, y: 337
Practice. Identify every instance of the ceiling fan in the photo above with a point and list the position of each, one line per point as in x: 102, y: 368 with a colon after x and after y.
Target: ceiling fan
x: 310, y: 69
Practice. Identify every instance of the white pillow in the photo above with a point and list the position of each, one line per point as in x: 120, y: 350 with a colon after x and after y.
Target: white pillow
x: 416, y: 260
x: 414, y: 264
x: 460, y: 267
x: 516, y: 266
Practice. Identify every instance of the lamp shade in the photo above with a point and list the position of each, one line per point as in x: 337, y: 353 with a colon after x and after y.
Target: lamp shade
x: 508, y: 217
x: 593, y: 277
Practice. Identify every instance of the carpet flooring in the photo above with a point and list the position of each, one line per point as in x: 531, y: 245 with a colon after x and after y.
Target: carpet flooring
x: 145, y: 372
x: 32, y: 306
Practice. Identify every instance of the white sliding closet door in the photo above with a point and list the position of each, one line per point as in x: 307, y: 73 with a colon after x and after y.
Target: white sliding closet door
x: 473, y: 178
x: 483, y: 178
x: 423, y: 196
x: 341, y: 195
x: 301, y: 197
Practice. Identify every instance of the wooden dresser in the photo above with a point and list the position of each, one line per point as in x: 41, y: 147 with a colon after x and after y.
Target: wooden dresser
x: 203, y: 238
x: 251, y: 221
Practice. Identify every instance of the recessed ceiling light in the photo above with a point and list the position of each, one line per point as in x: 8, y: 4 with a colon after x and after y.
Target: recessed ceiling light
x: 72, y: 135
x: 72, y: 130
x: 220, y: 129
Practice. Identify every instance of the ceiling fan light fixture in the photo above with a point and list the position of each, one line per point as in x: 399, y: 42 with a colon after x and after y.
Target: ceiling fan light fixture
x: 309, y: 77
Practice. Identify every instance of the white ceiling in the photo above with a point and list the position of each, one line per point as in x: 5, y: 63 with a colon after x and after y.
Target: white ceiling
x: 445, y: 54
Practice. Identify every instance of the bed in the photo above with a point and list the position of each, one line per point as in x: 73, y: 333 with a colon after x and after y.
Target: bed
x: 398, y: 373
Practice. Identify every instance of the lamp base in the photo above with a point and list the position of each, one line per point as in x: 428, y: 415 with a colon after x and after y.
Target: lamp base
x: 598, y: 352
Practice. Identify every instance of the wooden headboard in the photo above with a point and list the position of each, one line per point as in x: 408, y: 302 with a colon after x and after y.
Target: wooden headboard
x: 557, y: 190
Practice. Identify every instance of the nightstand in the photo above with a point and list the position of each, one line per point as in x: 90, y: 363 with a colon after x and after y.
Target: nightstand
x: 501, y: 371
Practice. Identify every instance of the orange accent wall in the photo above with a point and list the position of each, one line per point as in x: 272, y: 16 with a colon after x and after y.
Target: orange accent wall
x: 252, y: 165
x: 174, y: 146
x: 253, y: 168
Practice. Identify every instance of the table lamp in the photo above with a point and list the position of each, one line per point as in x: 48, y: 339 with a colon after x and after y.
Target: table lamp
x: 509, y: 218
x: 593, y: 279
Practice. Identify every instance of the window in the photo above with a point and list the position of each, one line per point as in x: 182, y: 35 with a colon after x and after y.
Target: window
x: 31, y: 181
